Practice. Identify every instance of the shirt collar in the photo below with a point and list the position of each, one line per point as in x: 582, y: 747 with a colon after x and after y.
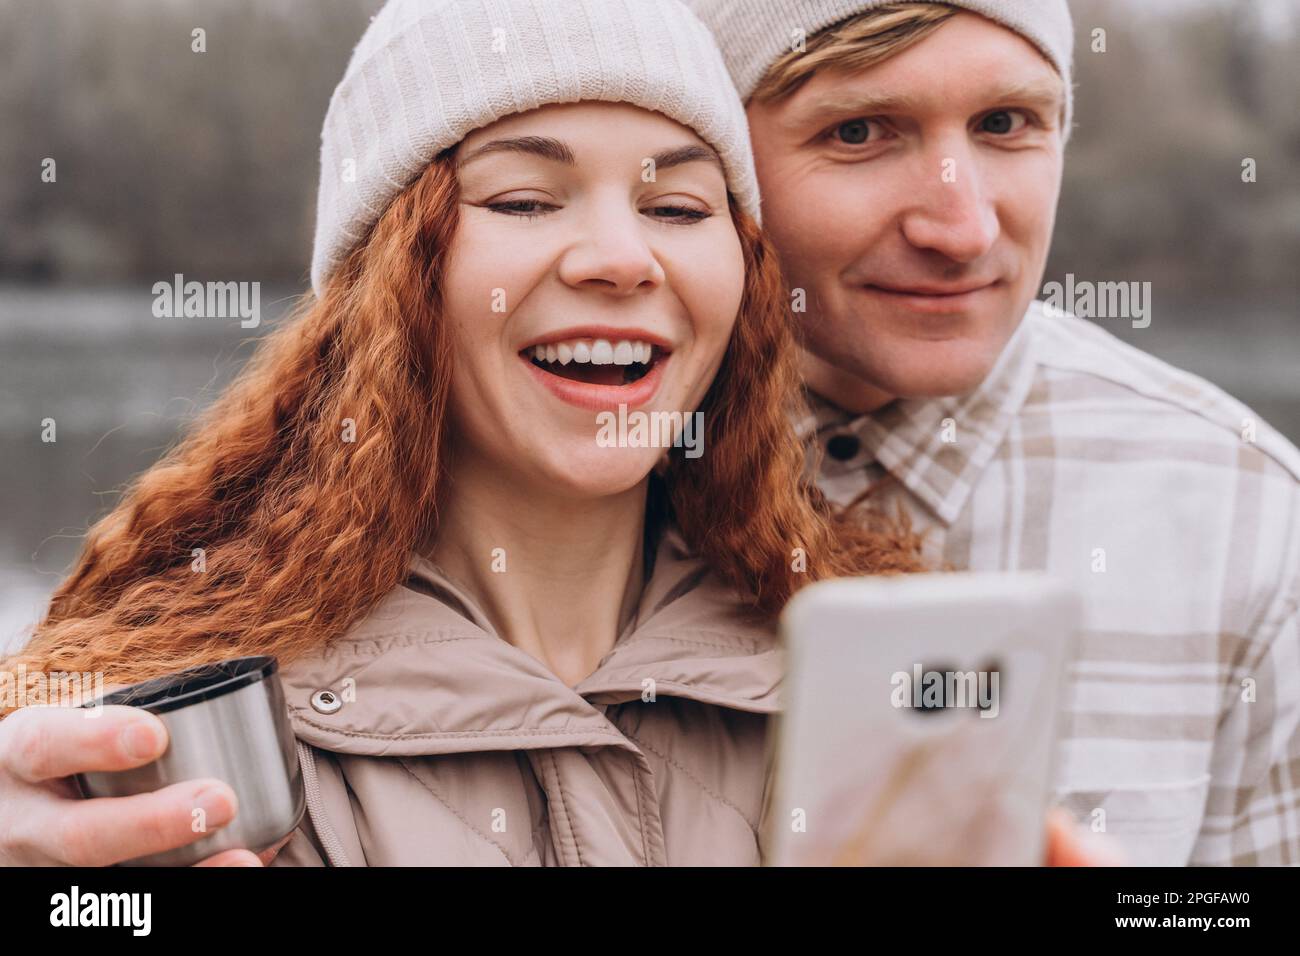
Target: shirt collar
x: 935, y: 447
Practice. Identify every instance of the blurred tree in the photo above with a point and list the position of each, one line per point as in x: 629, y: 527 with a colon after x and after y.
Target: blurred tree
x: 206, y: 163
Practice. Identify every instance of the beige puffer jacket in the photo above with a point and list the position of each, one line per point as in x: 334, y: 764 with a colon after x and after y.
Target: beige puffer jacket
x: 438, y: 743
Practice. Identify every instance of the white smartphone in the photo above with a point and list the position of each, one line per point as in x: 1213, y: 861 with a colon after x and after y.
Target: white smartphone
x: 921, y: 718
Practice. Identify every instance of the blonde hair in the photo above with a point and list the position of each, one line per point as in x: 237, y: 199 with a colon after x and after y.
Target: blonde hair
x: 853, y: 44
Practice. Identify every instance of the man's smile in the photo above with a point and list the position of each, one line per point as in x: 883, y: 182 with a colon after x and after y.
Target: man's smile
x: 932, y: 298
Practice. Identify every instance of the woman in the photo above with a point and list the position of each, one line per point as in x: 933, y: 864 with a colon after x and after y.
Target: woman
x: 503, y: 641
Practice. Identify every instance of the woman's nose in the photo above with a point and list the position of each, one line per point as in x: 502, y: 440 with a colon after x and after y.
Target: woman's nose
x: 610, y: 252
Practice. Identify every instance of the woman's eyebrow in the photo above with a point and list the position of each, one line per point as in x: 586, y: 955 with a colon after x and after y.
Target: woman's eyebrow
x: 668, y: 158
x: 553, y: 149
x: 543, y: 146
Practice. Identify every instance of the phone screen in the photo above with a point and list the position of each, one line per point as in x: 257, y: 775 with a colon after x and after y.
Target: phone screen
x: 920, y: 731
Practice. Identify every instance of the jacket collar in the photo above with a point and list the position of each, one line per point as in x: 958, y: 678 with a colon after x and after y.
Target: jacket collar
x: 908, y: 438
x: 424, y: 672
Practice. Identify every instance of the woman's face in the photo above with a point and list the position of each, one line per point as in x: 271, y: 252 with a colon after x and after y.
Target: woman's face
x: 595, y: 265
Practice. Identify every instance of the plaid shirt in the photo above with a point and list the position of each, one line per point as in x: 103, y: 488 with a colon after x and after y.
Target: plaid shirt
x: 1176, y: 513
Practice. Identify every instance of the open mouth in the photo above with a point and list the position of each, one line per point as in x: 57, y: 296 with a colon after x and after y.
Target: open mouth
x: 596, y: 361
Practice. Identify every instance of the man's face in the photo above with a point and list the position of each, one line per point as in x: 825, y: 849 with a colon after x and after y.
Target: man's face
x: 913, y: 201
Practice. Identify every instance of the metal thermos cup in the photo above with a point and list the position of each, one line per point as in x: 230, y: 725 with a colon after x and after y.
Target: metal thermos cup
x: 226, y: 720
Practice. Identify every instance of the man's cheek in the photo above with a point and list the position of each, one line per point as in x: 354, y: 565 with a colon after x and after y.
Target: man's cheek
x: 806, y: 237
x: 832, y: 231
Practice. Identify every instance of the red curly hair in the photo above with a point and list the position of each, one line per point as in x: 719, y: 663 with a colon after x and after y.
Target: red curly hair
x: 303, y: 533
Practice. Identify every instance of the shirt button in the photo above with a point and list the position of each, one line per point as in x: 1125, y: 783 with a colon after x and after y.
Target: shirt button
x: 843, y: 447
x: 326, y: 702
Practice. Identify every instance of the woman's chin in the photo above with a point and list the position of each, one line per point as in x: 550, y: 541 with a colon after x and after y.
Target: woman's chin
x: 589, y: 471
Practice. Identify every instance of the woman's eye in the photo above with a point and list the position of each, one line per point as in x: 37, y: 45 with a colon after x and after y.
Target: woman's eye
x: 679, y: 214
x: 528, y: 208
x: 855, y: 132
x: 1003, y: 122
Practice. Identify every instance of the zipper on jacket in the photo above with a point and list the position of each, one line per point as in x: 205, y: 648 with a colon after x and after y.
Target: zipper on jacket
x: 316, y: 810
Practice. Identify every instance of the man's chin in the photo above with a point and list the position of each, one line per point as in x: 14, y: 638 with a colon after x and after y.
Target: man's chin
x: 938, y: 382
x: 922, y: 370
x: 870, y: 377
x: 909, y: 368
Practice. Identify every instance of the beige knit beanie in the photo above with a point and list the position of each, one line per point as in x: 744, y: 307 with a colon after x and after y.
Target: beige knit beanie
x: 427, y: 72
x: 754, y: 33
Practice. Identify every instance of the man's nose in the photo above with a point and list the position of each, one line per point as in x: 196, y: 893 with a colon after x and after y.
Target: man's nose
x: 610, y: 252
x: 952, y: 212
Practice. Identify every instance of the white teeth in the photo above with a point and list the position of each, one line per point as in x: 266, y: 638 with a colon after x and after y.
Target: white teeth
x: 597, y: 352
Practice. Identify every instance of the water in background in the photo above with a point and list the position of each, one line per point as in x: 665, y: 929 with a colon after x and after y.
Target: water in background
x: 120, y: 383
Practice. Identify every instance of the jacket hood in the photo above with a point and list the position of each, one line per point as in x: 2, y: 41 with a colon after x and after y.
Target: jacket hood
x: 424, y: 672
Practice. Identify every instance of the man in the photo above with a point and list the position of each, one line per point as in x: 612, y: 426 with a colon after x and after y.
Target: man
x: 909, y: 157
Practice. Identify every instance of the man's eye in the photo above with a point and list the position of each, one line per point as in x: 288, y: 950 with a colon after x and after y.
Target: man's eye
x: 529, y: 208
x: 855, y: 131
x: 1003, y: 122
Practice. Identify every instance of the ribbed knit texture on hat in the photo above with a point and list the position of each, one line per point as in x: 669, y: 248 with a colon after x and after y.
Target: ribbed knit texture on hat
x: 753, y: 34
x: 427, y: 72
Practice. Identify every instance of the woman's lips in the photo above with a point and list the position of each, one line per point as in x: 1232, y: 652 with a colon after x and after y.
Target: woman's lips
x: 600, y: 397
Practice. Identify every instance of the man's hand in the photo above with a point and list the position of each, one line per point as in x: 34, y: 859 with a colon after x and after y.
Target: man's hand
x: 1069, y: 844
x: 245, y: 857
x: 43, y: 822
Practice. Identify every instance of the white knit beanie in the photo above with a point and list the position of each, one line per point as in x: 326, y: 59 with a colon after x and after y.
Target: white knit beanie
x: 427, y: 72
x: 753, y: 34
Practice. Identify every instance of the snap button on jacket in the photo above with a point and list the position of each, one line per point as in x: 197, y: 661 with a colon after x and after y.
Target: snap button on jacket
x: 452, y: 747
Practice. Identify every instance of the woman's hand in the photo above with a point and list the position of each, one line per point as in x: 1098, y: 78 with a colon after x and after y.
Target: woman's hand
x: 43, y: 821
x: 1069, y: 844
